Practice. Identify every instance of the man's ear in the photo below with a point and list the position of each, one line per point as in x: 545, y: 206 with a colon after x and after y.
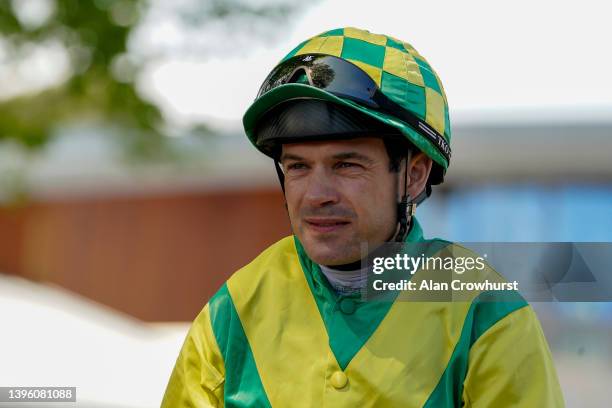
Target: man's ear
x: 418, y: 173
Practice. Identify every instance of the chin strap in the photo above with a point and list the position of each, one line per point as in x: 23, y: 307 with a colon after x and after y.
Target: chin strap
x: 405, y: 212
x: 280, y: 174
x: 281, y: 180
x: 406, y: 208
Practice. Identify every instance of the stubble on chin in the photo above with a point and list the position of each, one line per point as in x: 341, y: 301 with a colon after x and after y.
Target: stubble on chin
x: 333, y: 250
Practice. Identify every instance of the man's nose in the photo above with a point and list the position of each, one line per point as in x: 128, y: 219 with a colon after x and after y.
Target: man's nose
x: 321, y: 189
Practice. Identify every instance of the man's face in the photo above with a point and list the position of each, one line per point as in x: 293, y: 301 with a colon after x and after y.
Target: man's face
x: 340, y: 194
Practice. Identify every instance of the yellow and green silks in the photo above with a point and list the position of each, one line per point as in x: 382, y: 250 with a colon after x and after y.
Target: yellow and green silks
x: 276, y: 335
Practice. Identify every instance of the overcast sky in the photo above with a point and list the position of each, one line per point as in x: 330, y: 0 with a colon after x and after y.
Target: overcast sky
x: 520, y: 54
x: 504, y: 56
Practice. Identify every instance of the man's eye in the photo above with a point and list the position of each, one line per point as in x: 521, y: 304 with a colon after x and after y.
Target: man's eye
x: 346, y: 165
x: 296, y: 166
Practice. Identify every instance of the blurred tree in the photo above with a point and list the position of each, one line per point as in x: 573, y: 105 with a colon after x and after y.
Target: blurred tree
x: 100, y: 83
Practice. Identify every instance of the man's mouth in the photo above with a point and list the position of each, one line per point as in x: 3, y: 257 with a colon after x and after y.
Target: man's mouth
x: 326, y: 225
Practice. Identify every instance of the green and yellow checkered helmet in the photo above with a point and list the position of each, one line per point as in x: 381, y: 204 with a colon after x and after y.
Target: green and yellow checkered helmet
x: 380, y: 76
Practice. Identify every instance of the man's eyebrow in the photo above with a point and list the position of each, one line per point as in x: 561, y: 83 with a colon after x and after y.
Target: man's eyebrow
x: 289, y: 156
x: 338, y: 156
x: 353, y: 155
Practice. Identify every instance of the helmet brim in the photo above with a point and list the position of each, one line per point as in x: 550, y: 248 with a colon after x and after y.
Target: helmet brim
x: 295, y: 91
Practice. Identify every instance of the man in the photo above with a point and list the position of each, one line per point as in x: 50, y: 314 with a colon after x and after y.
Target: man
x: 358, y: 127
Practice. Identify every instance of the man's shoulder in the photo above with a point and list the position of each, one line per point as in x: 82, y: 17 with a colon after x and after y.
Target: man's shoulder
x: 279, y: 258
x: 493, y: 299
x: 451, y: 270
x: 469, y: 264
